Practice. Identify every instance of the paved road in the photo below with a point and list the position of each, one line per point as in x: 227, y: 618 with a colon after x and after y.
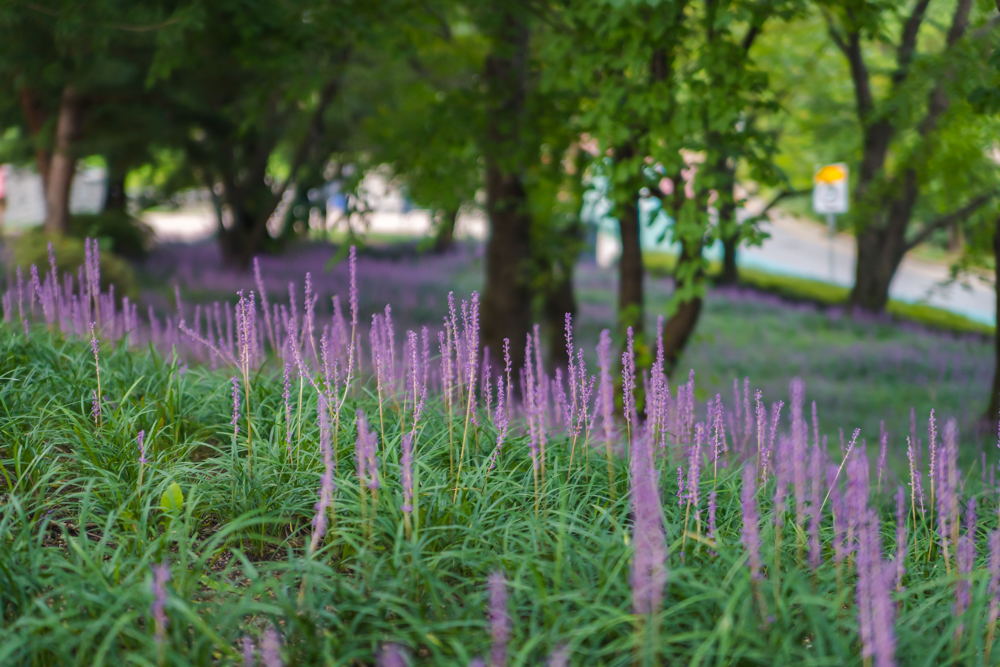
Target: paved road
x: 801, y: 248
x: 796, y: 247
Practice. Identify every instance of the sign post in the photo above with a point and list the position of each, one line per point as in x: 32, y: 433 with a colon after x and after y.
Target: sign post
x: 830, y: 197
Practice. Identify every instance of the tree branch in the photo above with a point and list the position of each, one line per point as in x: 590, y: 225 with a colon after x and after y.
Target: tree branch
x: 784, y: 194
x: 955, y: 216
x: 312, y: 134
x: 908, y: 42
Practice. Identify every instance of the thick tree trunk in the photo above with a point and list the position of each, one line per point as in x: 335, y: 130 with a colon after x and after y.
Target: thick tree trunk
x: 730, y: 272
x: 444, y: 237
x: 993, y: 406
x: 631, y: 272
x: 881, y: 246
x: 63, y: 165
x: 507, y: 295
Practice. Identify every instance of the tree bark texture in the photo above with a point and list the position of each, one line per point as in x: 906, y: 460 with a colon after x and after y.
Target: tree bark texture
x: 993, y: 406
x: 882, y: 234
x: 444, y: 237
x: 631, y: 272
x: 726, y: 173
x: 63, y: 164
x: 507, y: 295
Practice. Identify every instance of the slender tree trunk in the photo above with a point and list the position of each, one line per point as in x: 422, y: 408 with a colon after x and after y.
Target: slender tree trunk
x: 560, y: 300
x: 993, y: 406
x: 507, y: 296
x: 63, y: 165
x: 727, y: 222
x: 631, y: 272
x: 681, y: 324
x: 444, y: 237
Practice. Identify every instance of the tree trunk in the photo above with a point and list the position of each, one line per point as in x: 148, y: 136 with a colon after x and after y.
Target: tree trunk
x: 63, y: 165
x: 678, y: 329
x: 507, y: 295
x: 630, y: 269
x: 114, y: 195
x: 993, y: 406
x: 444, y: 237
x: 881, y: 248
x: 727, y: 222
x: 560, y: 300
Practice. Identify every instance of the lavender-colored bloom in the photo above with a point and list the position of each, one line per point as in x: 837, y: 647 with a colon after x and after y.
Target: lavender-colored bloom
x: 286, y: 395
x: 711, y: 514
x: 327, y: 486
x: 816, y: 465
x: 649, y: 562
x: 750, y: 534
x: 406, y: 463
x: 161, y: 575
x: 559, y: 657
x: 606, y: 389
x: 994, y: 569
x: 694, y: 469
x: 719, y: 440
x: 236, y: 405
x: 365, y: 453
x: 628, y: 378
x: 500, y: 421
x: 902, y: 545
x: 391, y: 655
x: 499, y: 619
x: 798, y: 453
x: 270, y: 648
x: 95, y: 406
x: 876, y: 610
x: 965, y: 558
x: 883, y: 440
x: 142, y: 448
x: 249, y: 650
x: 680, y: 485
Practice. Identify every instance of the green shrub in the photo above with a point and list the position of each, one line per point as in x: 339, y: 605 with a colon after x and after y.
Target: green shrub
x: 31, y: 247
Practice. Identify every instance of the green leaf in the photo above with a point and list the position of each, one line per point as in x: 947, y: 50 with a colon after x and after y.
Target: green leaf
x: 172, y: 499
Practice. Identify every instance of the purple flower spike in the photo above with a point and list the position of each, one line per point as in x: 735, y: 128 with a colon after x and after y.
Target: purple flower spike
x: 249, y: 653
x: 499, y: 619
x: 649, y: 562
x: 750, y: 534
x: 559, y: 657
x: 406, y: 463
x: 161, y: 575
x: 286, y: 395
x: 902, y: 545
x: 270, y: 648
x: 327, y: 486
x: 391, y: 655
x: 142, y: 448
x: 993, y: 591
x: 628, y: 378
x: 236, y: 405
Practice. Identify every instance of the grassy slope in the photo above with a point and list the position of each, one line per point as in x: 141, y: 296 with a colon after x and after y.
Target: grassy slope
x: 78, y: 536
